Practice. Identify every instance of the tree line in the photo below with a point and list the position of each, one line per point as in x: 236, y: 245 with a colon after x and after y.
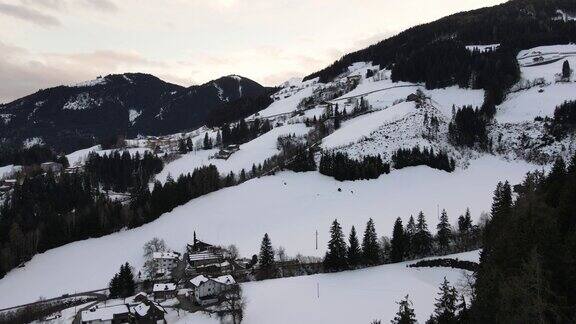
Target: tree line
x: 340, y: 166
x: 413, y: 157
x: 16, y: 154
x: 121, y: 171
x: 242, y: 132
x: 411, y: 242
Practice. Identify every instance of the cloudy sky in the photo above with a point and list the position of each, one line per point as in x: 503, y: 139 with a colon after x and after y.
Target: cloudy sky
x: 44, y: 43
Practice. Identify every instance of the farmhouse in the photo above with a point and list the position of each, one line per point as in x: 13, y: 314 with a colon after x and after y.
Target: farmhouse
x: 207, y: 290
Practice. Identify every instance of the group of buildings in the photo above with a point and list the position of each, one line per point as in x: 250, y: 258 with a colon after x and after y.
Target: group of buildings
x: 139, y: 309
x: 208, y: 272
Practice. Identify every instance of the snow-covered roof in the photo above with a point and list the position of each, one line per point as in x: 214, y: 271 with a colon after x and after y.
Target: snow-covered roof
x: 104, y: 313
x: 164, y: 287
x: 226, y: 280
x: 141, y: 309
x: 165, y: 255
x: 198, y: 280
x: 202, y: 256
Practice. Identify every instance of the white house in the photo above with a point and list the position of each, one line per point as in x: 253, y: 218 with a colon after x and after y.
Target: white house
x: 165, y: 261
x: 206, y: 290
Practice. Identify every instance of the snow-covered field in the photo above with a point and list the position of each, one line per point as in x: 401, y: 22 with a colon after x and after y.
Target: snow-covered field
x: 288, y: 206
x: 538, y: 101
x: 358, y: 296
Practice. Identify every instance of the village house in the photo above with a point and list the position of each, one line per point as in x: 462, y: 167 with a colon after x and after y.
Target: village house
x: 165, y: 262
x: 147, y: 311
x: 112, y: 314
x: 163, y: 291
x: 207, y: 290
x: 227, y: 151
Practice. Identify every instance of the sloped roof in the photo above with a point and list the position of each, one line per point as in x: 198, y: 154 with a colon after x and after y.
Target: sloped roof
x: 198, y: 280
x: 164, y: 287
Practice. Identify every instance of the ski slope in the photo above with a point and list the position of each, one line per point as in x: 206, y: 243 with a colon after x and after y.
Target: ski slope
x: 290, y: 207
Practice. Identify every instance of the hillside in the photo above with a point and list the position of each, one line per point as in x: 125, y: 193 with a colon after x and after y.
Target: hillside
x: 516, y: 24
x: 71, y: 117
x: 429, y: 120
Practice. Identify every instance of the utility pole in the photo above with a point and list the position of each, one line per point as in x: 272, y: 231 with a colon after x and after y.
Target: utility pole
x: 316, y: 239
x: 318, y: 290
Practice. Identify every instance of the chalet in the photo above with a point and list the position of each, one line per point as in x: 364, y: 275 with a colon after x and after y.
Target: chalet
x: 163, y: 291
x: 166, y: 261
x: 207, y: 290
x: 227, y: 151
x: 113, y: 314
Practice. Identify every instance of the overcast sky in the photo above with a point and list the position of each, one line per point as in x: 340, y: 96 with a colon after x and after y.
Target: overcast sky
x: 45, y: 43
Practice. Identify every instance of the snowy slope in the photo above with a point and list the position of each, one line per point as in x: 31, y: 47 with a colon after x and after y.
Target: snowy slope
x: 527, y: 104
x: 347, y: 297
x: 288, y: 206
x: 357, y: 128
x: 255, y: 151
x: 372, y: 293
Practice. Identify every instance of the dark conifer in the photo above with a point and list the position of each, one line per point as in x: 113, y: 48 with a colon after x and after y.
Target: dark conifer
x: 267, y: 267
x: 398, y: 242
x: 370, y: 248
x: 422, y: 241
x: 336, y: 256
x: 354, y: 252
x: 444, y: 234
x: 405, y: 314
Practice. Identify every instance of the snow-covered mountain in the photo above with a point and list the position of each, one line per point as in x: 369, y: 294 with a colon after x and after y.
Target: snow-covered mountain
x: 70, y: 117
x: 382, y: 116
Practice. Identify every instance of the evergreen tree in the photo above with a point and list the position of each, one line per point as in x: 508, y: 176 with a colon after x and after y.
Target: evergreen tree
x: 182, y: 149
x: 189, y: 145
x: 122, y: 284
x: 446, y: 305
x: 444, y: 234
x: 126, y: 278
x: 207, y: 142
x: 566, y: 71
x: 422, y: 241
x: 266, y: 258
x: 335, y: 259
x: 398, y: 242
x: 405, y: 314
x: 370, y: 248
x: 354, y: 252
x: 465, y: 229
x: 410, y: 233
